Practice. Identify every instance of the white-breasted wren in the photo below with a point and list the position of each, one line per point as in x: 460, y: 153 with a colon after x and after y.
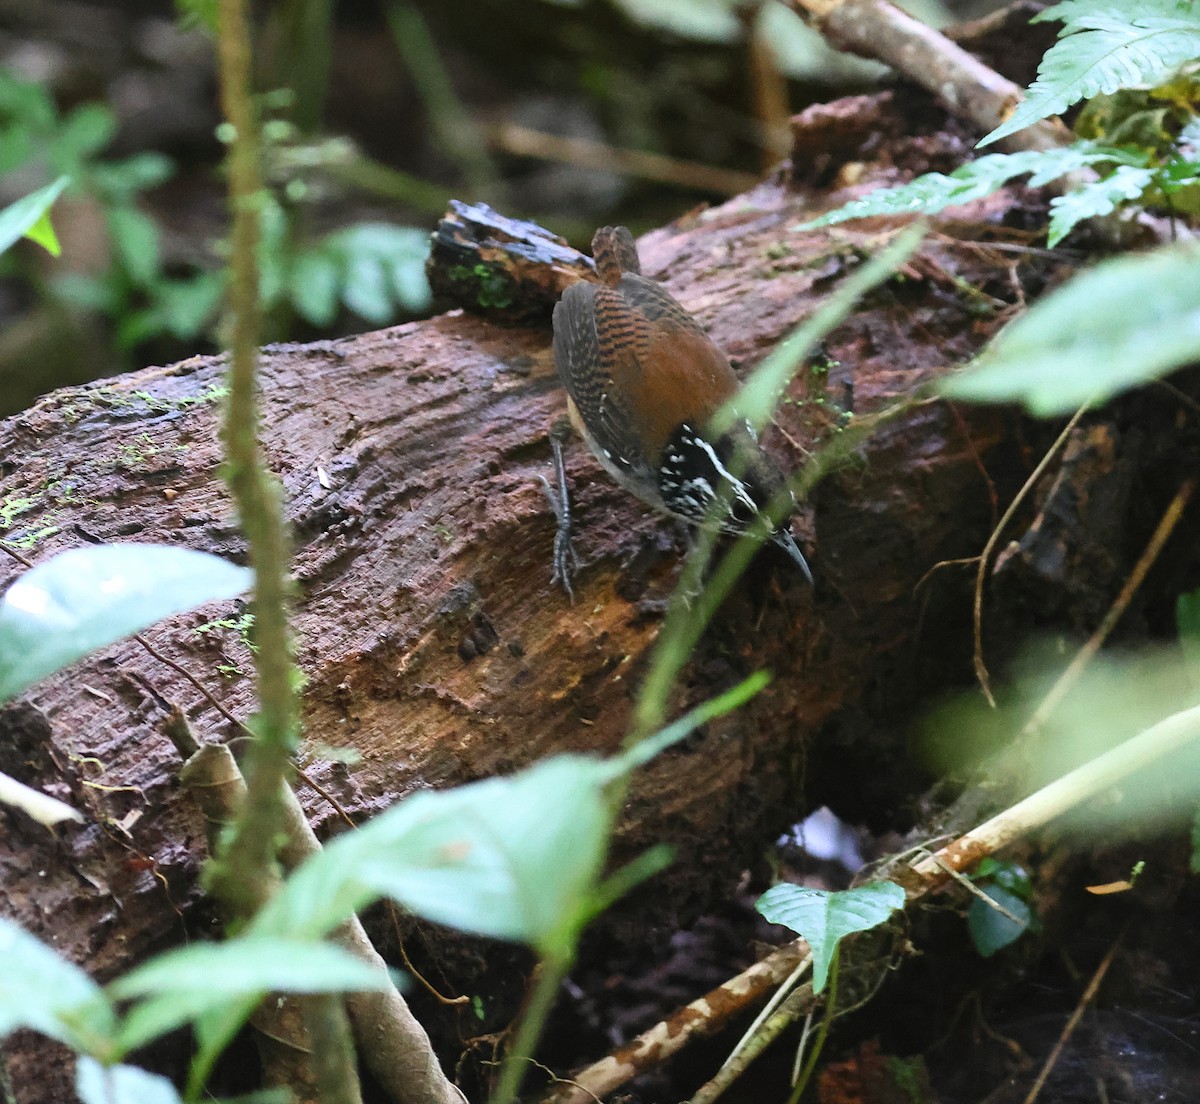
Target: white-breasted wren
x: 643, y: 382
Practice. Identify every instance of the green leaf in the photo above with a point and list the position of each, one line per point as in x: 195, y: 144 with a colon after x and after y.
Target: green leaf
x: 42, y: 991
x: 366, y: 290
x: 83, y: 599
x: 29, y: 103
x: 990, y: 929
x: 512, y: 858
x: 42, y: 233
x: 98, y: 1084
x: 240, y: 967
x: 102, y: 294
x: 1095, y: 198
x: 1104, y: 47
x: 201, y: 13
x: 380, y: 265
x: 825, y: 918
x: 25, y: 217
x: 1117, y: 325
x: 1187, y: 624
x: 135, y: 237
x: 1007, y: 875
x: 84, y: 132
x: 935, y: 192
x: 119, y: 181
x: 1194, y: 861
x: 187, y: 306
x: 204, y: 979
x: 314, y: 286
x: 273, y: 250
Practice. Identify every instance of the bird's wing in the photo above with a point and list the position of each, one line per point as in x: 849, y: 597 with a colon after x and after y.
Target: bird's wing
x: 657, y: 304
x: 597, y: 372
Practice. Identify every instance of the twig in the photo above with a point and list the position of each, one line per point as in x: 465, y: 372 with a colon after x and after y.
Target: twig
x: 1089, y: 994
x: 394, y: 1045
x: 931, y: 872
x: 877, y: 29
x: 15, y: 554
x: 800, y: 1002
x: 454, y: 127
x: 702, y: 1017
x: 1058, y: 797
x: 249, y: 848
x: 985, y: 556
x: 597, y: 155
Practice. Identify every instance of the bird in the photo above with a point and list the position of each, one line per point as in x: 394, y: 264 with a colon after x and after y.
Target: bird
x: 643, y: 382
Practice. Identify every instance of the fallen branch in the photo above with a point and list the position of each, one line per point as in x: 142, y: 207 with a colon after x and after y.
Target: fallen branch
x: 709, y: 1013
x: 391, y: 1041
x: 878, y: 30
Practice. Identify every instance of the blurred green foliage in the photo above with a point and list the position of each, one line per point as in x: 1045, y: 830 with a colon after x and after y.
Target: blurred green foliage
x: 373, y: 269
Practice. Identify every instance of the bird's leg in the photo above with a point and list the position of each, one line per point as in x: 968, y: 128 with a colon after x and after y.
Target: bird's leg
x: 565, y: 561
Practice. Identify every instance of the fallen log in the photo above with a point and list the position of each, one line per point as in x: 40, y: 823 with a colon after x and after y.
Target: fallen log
x: 434, y: 645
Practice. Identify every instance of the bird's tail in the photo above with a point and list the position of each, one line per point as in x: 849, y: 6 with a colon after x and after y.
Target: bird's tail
x: 615, y: 253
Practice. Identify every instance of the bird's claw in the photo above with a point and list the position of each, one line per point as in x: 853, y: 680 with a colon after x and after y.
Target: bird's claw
x: 565, y: 561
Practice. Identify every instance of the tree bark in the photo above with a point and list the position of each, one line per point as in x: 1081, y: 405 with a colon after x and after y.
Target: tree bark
x: 433, y: 642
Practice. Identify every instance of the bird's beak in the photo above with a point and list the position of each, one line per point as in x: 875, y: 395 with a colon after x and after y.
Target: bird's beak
x: 787, y: 542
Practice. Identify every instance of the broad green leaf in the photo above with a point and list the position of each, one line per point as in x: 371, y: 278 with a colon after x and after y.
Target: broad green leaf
x: 990, y: 929
x: 30, y: 215
x: 205, y: 979
x: 135, y: 237
x: 84, y: 132
x: 201, y: 13
x: 380, y: 266
x: 273, y: 250
x: 1096, y: 198
x: 42, y: 991
x: 1117, y: 325
x: 83, y: 599
x: 42, y: 233
x: 512, y: 858
x: 251, y: 965
x: 95, y: 293
x: 366, y: 290
x: 313, y: 286
x: 187, y: 306
x: 407, y: 249
x: 99, y: 1084
x: 28, y: 102
x: 1104, y: 47
x: 119, y: 181
x: 825, y: 918
x: 935, y: 192
x: 1006, y: 874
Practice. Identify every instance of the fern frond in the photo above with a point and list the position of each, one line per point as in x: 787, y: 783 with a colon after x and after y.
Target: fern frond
x: 1097, y: 197
x: 934, y: 192
x: 1106, y: 45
